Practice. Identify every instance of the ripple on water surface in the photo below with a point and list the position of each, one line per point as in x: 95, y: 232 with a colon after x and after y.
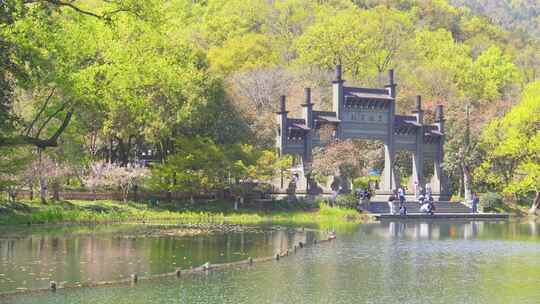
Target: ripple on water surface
x: 383, y: 263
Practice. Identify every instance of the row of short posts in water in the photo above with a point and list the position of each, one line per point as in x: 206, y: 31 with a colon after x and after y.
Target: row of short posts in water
x: 134, y: 278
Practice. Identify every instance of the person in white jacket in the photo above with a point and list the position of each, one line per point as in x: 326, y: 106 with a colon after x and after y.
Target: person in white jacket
x: 391, y: 204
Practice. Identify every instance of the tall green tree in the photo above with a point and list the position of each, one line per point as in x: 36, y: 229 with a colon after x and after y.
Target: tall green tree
x: 364, y: 41
x: 512, y: 146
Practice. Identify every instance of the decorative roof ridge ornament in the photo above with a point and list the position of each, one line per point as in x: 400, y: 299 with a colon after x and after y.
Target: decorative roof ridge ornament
x: 282, y: 105
x: 439, y: 113
x: 339, y: 74
x: 391, y: 86
x: 418, y: 106
x: 307, y: 94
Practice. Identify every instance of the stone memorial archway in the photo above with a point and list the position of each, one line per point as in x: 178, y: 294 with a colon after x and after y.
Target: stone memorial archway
x: 368, y: 113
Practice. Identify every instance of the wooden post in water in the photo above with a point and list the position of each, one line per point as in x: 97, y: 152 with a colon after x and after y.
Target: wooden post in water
x: 134, y: 278
x: 250, y: 261
x: 52, y: 286
x: 277, y: 256
x: 178, y: 272
x: 300, y: 244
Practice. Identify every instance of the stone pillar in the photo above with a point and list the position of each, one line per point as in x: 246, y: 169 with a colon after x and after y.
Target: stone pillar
x: 281, y: 138
x: 308, y: 117
x: 307, y: 157
x: 418, y: 112
x: 337, y: 98
x: 388, y: 179
x: 438, y: 182
x: 418, y: 155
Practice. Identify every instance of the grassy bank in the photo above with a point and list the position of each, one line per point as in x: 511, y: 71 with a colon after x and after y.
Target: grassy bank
x: 29, y: 212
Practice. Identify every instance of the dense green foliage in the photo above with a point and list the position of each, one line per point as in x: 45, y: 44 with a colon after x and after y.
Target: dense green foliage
x: 512, y: 147
x: 191, y: 86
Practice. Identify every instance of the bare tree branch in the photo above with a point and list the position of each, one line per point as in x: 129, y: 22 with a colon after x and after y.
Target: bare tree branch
x: 49, y: 119
x: 262, y: 87
x: 75, y: 8
x: 40, y: 143
x: 31, y: 126
x: 71, y: 5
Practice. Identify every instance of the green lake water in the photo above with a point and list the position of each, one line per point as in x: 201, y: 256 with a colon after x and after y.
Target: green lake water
x: 388, y: 262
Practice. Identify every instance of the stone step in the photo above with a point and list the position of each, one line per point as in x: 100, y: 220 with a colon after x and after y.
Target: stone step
x: 418, y: 211
x: 418, y: 207
x: 477, y: 216
x: 413, y: 207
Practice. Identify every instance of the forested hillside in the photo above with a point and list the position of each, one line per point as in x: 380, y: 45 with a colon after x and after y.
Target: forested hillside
x: 521, y: 16
x: 193, y: 85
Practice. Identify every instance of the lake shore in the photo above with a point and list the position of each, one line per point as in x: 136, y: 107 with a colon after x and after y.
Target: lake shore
x: 106, y: 211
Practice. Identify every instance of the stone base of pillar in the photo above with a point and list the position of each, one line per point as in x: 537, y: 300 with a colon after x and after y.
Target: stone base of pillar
x: 381, y: 196
x: 384, y: 184
x: 443, y: 197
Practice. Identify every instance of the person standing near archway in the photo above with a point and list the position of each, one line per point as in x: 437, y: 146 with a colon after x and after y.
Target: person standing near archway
x: 474, y: 203
x: 391, y: 199
x: 401, y: 195
x: 428, y: 190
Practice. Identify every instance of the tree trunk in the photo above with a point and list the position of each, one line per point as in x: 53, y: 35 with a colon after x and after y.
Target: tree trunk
x: 161, y: 148
x: 466, y: 144
x: 460, y: 189
x: 122, y: 155
x: 42, y: 189
x: 380, y: 76
x: 110, y: 150
x: 128, y: 149
x: 535, y: 204
x: 56, y: 191
x: 31, y: 192
x: 42, y: 181
x: 125, y: 193
x: 12, y: 195
x: 467, y: 183
x: 135, y: 193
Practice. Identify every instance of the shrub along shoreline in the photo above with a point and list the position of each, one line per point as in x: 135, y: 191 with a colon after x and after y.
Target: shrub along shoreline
x: 76, y: 211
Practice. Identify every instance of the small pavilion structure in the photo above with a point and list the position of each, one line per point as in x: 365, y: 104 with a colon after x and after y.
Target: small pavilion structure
x: 368, y: 114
